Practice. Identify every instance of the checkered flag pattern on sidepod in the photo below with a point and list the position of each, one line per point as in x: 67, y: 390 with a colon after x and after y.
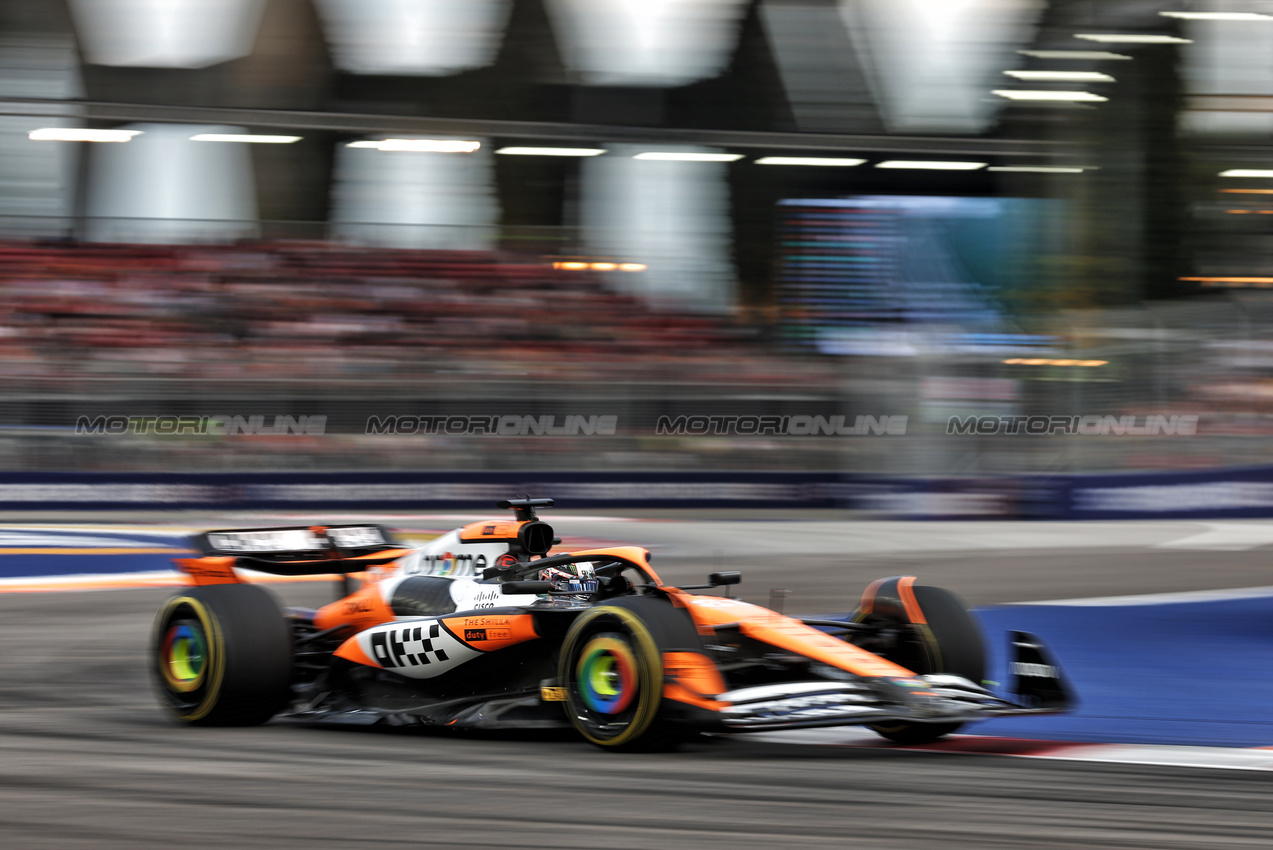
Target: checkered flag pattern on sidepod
x: 414, y: 647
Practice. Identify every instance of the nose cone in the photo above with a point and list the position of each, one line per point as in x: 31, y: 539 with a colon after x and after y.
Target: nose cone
x: 919, y: 698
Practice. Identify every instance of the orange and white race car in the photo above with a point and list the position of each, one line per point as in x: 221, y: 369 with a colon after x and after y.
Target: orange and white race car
x: 504, y: 635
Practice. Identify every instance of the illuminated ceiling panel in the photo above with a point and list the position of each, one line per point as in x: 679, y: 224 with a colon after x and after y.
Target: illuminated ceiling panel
x: 932, y: 62
x: 1228, y: 58
x: 646, y: 42
x: 162, y: 187
x: 414, y: 37
x: 415, y: 198
x: 166, y: 33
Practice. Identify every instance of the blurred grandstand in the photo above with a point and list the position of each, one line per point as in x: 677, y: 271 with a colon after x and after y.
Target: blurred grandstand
x: 758, y: 208
x: 298, y: 327
x: 343, y: 314
x: 312, y: 327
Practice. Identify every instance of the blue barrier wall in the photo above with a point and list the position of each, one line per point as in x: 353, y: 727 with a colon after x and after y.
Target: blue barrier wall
x: 1202, y: 494
x: 1213, y: 493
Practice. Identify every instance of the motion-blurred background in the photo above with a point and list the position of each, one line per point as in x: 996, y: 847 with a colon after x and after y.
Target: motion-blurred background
x: 636, y: 208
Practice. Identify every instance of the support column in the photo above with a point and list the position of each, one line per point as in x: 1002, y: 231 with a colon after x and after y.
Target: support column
x: 163, y: 187
x: 671, y: 216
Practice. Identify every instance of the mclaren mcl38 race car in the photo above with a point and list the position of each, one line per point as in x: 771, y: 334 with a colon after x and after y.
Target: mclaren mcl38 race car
x: 482, y: 628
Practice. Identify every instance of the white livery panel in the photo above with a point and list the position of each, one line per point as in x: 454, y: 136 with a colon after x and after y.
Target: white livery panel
x: 447, y: 556
x: 419, y: 648
x: 471, y: 596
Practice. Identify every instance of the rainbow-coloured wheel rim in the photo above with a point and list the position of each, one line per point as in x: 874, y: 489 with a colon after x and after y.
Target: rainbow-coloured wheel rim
x: 606, y: 674
x: 184, y: 657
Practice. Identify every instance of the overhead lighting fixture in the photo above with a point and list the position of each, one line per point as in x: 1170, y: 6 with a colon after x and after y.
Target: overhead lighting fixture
x: 676, y: 156
x: 1087, y: 55
x: 1049, y: 95
x: 603, y: 266
x: 1236, y: 281
x: 551, y: 151
x: 420, y: 145
x: 1040, y: 169
x: 1061, y: 76
x: 1246, y: 172
x: 1217, y: 16
x: 429, y: 145
x: 808, y: 160
x: 931, y: 166
x: 1021, y: 361
x: 1131, y: 38
x: 245, y: 138
x: 69, y: 134
x: 1248, y: 191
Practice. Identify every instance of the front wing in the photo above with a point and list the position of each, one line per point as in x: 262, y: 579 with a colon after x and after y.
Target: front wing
x: 1037, y: 687
x: 927, y: 699
x: 792, y: 705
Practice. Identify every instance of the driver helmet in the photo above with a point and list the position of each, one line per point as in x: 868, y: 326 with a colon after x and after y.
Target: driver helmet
x: 575, y: 578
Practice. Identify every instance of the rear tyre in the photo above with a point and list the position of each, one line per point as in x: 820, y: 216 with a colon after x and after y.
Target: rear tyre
x: 949, y: 642
x: 611, y: 666
x: 221, y: 655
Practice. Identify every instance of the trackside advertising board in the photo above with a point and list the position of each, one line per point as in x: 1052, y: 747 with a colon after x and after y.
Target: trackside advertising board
x: 1225, y: 493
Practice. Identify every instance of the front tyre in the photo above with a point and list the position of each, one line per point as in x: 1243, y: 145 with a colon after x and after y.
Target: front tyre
x: 611, y: 667
x: 937, y: 634
x: 221, y: 655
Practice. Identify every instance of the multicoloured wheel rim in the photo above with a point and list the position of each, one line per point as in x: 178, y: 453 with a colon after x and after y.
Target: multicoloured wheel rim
x: 184, y: 657
x: 606, y: 674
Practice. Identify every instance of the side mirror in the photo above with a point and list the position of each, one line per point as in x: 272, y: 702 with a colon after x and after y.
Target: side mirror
x: 724, y: 578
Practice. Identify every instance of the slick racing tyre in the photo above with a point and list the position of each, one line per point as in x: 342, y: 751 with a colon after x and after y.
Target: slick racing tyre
x: 932, y: 633
x: 611, y: 667
x: 221, y: 655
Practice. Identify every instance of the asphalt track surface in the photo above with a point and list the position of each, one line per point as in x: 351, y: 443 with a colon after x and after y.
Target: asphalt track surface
x: 87, y: 758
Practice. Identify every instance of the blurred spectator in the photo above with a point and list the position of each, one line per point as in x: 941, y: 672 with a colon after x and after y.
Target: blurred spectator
x: 319, y: 311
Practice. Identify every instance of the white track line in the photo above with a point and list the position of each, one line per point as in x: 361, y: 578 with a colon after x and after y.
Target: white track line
x: 1222, y: 758
x: 1160, y: 598
x: 1225, y: 537
x: 72, y: 581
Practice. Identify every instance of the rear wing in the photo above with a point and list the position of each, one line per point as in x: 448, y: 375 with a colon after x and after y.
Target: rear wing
x: 298, y: 551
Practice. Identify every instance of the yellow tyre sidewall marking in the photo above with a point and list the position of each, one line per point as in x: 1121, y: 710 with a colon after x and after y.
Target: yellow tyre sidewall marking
x: 215, y: 672
x: 649, y: 662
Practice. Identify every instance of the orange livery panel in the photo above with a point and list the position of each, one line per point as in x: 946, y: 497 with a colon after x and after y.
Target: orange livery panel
x: 361, y: 609
x: 786, y: 633
x: 492, y: 631
x: 893, y: 596
x: 692, y: 678
x: 213, y: 569
x: 489, y: 532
